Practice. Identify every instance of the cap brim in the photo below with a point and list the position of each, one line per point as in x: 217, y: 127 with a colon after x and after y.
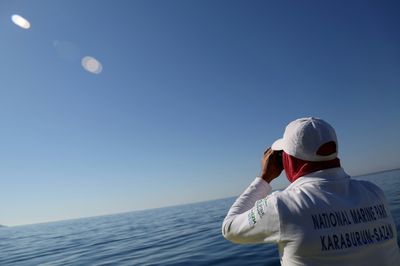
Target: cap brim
x: 277, y: 145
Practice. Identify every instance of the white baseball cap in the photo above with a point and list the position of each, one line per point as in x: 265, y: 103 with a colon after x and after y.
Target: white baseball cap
x: 304, y: 137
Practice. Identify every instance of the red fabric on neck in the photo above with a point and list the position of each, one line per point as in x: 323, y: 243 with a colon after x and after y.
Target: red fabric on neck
x: 295, y: 168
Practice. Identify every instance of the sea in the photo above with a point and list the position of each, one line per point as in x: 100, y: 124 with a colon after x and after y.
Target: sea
x: 180, y: 235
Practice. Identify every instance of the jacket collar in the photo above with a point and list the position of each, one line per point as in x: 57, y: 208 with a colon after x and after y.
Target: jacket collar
x: 322, y: 175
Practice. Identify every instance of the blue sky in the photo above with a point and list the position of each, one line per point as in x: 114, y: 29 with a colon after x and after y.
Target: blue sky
x: 190, y: 95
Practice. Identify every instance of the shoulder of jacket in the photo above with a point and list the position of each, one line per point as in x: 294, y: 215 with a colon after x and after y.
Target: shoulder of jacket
x: 282, y: 195
x: 368, y: 185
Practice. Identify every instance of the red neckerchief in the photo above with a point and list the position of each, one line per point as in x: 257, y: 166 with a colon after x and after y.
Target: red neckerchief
x: 295, y: 168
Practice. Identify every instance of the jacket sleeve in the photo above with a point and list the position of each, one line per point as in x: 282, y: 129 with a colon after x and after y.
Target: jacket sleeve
x: 253, y: 218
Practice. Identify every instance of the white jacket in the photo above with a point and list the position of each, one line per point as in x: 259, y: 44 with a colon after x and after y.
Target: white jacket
x: 323, y: 218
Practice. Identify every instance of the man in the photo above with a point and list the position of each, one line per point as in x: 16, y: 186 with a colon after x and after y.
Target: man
x: 323, y: 217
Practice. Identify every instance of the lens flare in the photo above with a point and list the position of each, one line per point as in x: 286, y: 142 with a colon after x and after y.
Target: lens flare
x: 20, y: 22
x: 91, y: 65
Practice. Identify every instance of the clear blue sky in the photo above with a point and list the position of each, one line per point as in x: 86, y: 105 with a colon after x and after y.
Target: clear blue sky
x: 190, y: 95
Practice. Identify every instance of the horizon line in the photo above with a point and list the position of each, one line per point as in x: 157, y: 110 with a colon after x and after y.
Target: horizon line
x: 162, y: 207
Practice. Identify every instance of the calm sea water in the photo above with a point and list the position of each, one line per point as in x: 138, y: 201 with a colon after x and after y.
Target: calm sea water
x: 181, y: 235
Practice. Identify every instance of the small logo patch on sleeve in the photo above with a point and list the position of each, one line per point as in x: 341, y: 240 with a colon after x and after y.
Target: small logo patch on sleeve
x: 257, y: 212
x: 252, y: 217
x: 260, y: 207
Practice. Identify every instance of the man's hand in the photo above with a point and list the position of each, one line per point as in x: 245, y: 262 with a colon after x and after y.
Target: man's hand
x: 271, y: 165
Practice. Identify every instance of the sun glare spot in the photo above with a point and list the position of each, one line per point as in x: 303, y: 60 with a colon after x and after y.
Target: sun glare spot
x: 20, y: 21
x: 92, y: 65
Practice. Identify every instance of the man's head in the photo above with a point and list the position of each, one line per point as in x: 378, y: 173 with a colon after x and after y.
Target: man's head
x: 309, y: 139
